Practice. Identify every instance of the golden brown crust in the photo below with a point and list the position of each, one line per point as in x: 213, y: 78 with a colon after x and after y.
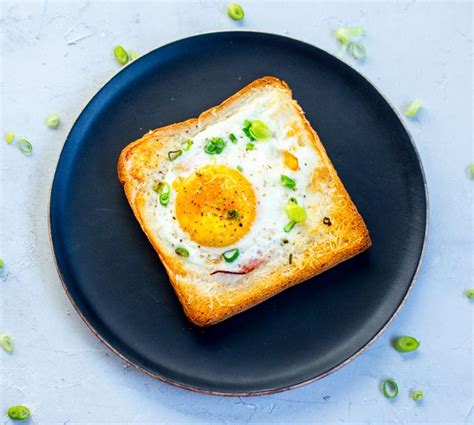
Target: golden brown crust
x: 346, y: 237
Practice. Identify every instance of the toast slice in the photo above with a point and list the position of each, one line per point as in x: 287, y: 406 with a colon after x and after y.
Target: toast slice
x: 160, y: 173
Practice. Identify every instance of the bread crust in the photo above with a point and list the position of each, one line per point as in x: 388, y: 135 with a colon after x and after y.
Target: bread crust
x: 347, y: 238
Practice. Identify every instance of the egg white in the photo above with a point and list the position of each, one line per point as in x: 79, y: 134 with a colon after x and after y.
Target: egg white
x: 262, y: 167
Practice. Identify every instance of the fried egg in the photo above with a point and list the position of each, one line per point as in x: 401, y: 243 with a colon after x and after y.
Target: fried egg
x: 225, y: 202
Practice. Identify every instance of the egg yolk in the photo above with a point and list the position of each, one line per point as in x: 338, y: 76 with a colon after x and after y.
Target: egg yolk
x: 290, y: 161
x: 216, y: 206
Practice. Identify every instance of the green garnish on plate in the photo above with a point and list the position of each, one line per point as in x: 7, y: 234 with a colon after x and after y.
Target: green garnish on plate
x: 214, y: 146
x: 288, y: 182
x: 256, y: 130
x: 182, y: 252
x: 186, y: 145
x: 163, y: 189
x: 231, y: 255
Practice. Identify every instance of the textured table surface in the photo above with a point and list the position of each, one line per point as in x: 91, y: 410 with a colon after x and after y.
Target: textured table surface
x: 54, y: 58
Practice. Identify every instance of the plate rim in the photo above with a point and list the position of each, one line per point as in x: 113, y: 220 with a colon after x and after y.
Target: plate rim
x: 268, y: 391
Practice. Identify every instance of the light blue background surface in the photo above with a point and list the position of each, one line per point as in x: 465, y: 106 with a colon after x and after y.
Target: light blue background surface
x: 55, y: 56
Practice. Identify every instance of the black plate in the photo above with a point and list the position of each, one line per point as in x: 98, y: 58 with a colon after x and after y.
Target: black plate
x: 116, y: 281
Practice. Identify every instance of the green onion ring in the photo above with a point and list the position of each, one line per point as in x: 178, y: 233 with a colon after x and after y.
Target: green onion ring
x: 235, y: 11
x: 121, y: 55
x: 357, y: 50
x: 6, y: 341
x: 390, y: 388
x: 405, y: 344
x: 417, y: 395
x: 25, y: 146
x: 182, y: 252
x: 231, y: 255
x: 18, y: 413
x: 187, y: 145
x: 172, y: 155
x: 52, y: 121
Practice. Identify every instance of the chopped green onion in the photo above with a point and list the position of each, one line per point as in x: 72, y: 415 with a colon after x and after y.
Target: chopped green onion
x: 250, y: 146
x: 121, y: 55
x: 231, y: 255
x: 186, y: 145
x: 470, y: 171
x: 290, y: 259
x: 287, y: 182
x: 256, y: 130
x: 25, y: 146
x: 240, y: 168
x: 132, y: 54
x: 52, y: 121
x: 246, y: 130
x: 9, y: 137
x: 404, y: 344
x: 260, y: 130
x: 235, y: 11
x: 6, y: 341
x: 18, y: 413
x: 413, y: 107
x: 210, y: 148
x: 344, y: 35
x: 232, y: 215
x: 357, y: 50
x: 163, y: 189
x: 293, y: 201
x: 417, y: 395
x: 182, y: 252
x: 214, y: 146
x: 164, y: 199
x: 289, y: 226
x: 389, y: 388
x: 232, y: 138
x: 470, y: 294
x: 172, y: 155
x: 295, y: 212
x: 1, y: 264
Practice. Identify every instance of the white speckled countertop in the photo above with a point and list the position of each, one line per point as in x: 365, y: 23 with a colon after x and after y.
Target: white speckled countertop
x: 54, y: 58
